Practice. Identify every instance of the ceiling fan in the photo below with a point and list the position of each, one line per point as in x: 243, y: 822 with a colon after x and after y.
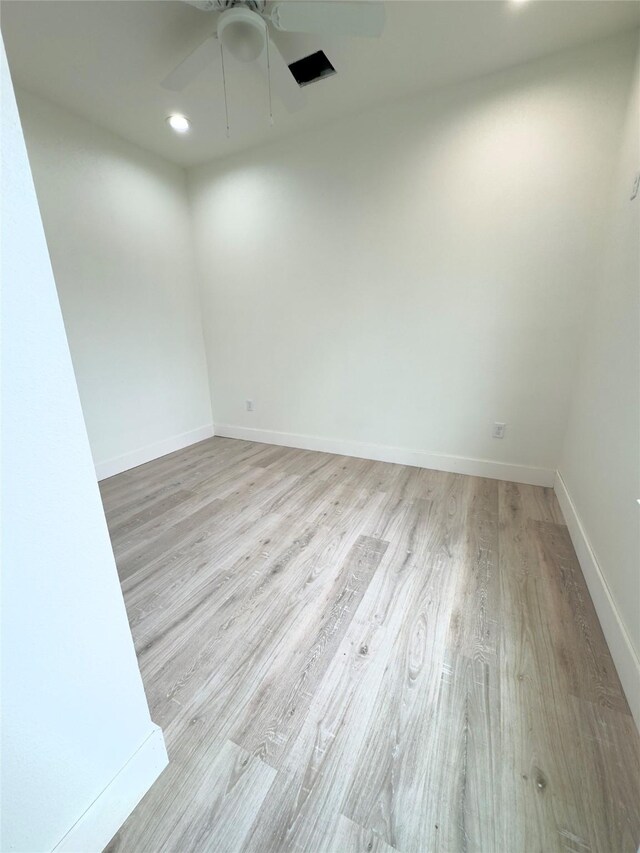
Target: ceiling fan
x: 242, y: 28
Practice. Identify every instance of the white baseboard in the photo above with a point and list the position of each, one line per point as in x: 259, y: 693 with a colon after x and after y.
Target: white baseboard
x: 384, y: 453
x: 615, y: 632
x: 104, y: 817
x: 152, y: 451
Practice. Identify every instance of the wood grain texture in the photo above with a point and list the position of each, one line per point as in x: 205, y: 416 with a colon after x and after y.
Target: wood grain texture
x: 349, y: 656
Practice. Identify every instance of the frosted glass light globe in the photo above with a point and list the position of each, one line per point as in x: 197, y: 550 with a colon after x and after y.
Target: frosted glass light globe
x: 243, y: 33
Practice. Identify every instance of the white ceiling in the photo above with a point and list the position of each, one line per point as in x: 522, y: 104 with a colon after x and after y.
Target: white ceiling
x: 104, y: 59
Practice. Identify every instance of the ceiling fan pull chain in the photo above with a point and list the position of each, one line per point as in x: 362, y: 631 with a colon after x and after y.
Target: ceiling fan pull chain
x: 224, y: 86
x: 269, y: 82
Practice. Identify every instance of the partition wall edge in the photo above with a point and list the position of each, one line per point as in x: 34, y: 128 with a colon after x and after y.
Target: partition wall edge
x: 79, y: 749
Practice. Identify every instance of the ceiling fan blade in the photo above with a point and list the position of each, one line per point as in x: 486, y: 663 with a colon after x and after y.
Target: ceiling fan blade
x: 194, y: 64
x: 283, y: 83
x: 332, y: 17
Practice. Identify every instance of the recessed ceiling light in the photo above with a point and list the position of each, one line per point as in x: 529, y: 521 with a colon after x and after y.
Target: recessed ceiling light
x: 179, y: 123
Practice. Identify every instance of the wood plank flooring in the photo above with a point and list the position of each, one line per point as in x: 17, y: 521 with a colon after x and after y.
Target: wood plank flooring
x: 350, y: 656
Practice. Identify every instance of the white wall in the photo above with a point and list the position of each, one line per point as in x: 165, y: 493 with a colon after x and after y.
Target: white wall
x: 74, y: 710
x: 117, y: 225
x: 600, y: 464
x: 409, y: 276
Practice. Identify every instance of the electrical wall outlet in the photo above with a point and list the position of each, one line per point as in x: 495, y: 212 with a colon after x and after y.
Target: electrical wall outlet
x: 248, y: 405
x: 498, y: 430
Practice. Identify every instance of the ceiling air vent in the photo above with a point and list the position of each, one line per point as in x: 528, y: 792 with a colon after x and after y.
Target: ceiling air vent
x: 311, y: 68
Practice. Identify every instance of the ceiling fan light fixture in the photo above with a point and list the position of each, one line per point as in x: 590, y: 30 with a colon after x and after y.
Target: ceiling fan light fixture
x: 243, y: 33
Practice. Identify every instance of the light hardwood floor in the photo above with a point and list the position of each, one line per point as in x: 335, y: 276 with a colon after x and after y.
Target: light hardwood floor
x: 349, y: 655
